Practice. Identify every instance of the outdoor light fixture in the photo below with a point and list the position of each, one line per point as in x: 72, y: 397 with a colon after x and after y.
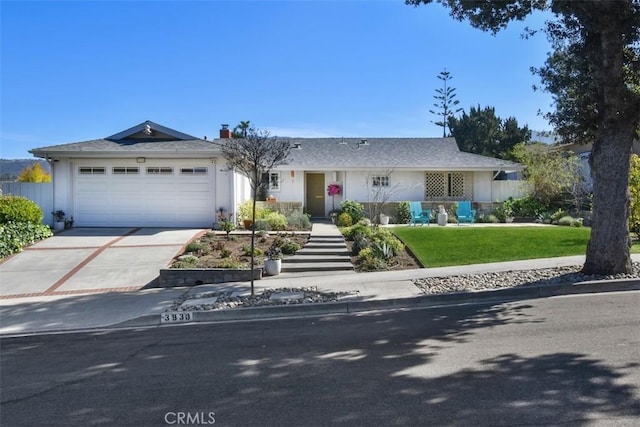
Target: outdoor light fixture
x: 140, y: 160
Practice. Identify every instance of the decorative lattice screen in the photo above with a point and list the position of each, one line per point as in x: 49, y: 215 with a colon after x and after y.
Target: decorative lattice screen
x: 456, y: 184
x: 435, y: 185
x: 448, y: 185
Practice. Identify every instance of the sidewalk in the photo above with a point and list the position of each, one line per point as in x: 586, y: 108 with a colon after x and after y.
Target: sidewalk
x: 376, y: 291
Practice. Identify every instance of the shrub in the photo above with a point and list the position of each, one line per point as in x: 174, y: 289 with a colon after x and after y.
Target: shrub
x: 187, y: 261
x: 384, y: 236
x: 382, y: 250
x: 566, y: 221
x: 557, y: 215
x: 367, y: 261
x: 403, y: 213
x: 289, y: 247
x: 490, y: 218
x: 16, y: 235
x: 276, y: 221
x: 195, y: 247
x: 360, y: 242
x: 527, y: 207
x: 365, y: 221
x: 359, y: 228
x: 298, y: 221
x: 569, y: 221
x: 354, y: 209
x: 225, y: 253
x: 263, y: 213
x: 345, y: 220
x: 452, y: 212
x: 230, y: 263
x: 262, y: 225
x: 19, y: 209
x: 245, y: 210
x: 247, y: 251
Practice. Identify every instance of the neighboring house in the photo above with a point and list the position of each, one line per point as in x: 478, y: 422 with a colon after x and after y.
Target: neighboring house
x: 151, y: 175
x: 584, y: 151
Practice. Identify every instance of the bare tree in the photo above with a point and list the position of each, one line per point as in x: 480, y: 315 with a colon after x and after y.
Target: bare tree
x: 380, y: 191
x: 254, y: 155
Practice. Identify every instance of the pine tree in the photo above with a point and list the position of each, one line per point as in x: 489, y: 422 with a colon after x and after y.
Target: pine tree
x: 446, y: 102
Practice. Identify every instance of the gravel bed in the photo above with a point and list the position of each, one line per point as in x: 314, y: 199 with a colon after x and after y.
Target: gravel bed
x: 545, y: 276
x: 227, y: 300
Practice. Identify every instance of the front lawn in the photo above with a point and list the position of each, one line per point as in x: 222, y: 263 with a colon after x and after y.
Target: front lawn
x: 445, y: 246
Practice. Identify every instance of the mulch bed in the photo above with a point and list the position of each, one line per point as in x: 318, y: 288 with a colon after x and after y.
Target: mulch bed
x: 216, y: 244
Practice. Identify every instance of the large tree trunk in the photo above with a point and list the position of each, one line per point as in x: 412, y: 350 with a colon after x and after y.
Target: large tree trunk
x: 608, y: 251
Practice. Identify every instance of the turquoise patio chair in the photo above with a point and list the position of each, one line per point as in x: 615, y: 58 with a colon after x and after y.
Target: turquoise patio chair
x: 465, y: 213
x: 419, y: 215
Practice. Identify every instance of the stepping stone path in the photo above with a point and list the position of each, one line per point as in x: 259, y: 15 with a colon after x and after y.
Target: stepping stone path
x: 325, y: 251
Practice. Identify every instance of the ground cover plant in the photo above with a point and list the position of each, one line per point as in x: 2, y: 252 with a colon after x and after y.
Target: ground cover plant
x: 446, y: 246
x: 216, y: 250
x: 375, y: 248
x: 20, y: 224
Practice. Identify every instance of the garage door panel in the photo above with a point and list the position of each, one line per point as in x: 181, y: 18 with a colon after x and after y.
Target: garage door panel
x: 144, y: 200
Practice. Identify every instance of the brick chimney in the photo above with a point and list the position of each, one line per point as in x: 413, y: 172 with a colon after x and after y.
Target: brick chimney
x: 225, y: 132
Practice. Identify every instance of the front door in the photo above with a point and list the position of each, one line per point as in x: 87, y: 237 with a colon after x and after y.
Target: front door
x: 315, y: 194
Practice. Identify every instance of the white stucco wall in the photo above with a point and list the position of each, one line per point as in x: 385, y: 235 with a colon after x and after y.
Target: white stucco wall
x: 291, y: 186
x: 482, y: 186
x: 62, y: 178
x: 403, y: 185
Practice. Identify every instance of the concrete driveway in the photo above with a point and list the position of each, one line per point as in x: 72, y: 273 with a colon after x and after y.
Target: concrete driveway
x: 92, y: 260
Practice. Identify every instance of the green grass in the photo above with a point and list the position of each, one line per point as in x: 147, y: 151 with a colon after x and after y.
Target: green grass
x: 444, y: 246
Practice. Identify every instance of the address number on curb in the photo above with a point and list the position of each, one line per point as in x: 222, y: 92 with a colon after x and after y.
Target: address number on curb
x: 176, y: 316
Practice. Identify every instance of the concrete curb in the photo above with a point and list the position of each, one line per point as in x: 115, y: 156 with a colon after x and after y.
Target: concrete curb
x: 422, y: 301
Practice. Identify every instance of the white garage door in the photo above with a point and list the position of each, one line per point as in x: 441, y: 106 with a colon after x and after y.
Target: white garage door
x: 148, y: 194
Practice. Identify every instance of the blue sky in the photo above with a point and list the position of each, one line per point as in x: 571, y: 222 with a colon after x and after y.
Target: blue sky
x: 73, y: 71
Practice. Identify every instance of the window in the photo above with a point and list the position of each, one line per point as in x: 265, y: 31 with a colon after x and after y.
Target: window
x: 91, y: 170
x: 125, y: 170
x: 159, y: 171
x: 271, y: 181
x: 193, y: 171
x: 380, y: 181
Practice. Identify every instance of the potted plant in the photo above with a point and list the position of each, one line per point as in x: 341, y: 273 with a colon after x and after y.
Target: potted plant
x: 273, y: 263
x: 68, y: 223
x: 58, y: 220
x: 384, y: 219
x: 507, y: 210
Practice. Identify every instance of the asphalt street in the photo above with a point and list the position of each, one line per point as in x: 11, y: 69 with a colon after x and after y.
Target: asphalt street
x: 570, y: 361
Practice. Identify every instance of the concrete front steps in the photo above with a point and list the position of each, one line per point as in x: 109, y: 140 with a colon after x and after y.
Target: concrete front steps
x: 322, y: 253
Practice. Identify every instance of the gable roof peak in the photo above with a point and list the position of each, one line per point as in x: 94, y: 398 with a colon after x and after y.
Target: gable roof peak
x: 150, y: 131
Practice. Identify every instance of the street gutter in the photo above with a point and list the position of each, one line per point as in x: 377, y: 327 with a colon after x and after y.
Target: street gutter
x: 422, y: 301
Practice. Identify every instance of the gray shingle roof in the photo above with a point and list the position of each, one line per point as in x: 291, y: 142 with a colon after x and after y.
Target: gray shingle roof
x: 313, y: 153
x: 146, y: 137
x: 107, y: 146
x: 402, y: 153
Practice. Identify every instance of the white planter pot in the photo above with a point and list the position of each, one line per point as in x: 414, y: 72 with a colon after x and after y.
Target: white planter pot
x: 442, y: 219
x: 272, y: 267
x: 58, y: 226
x: 384, y: 219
